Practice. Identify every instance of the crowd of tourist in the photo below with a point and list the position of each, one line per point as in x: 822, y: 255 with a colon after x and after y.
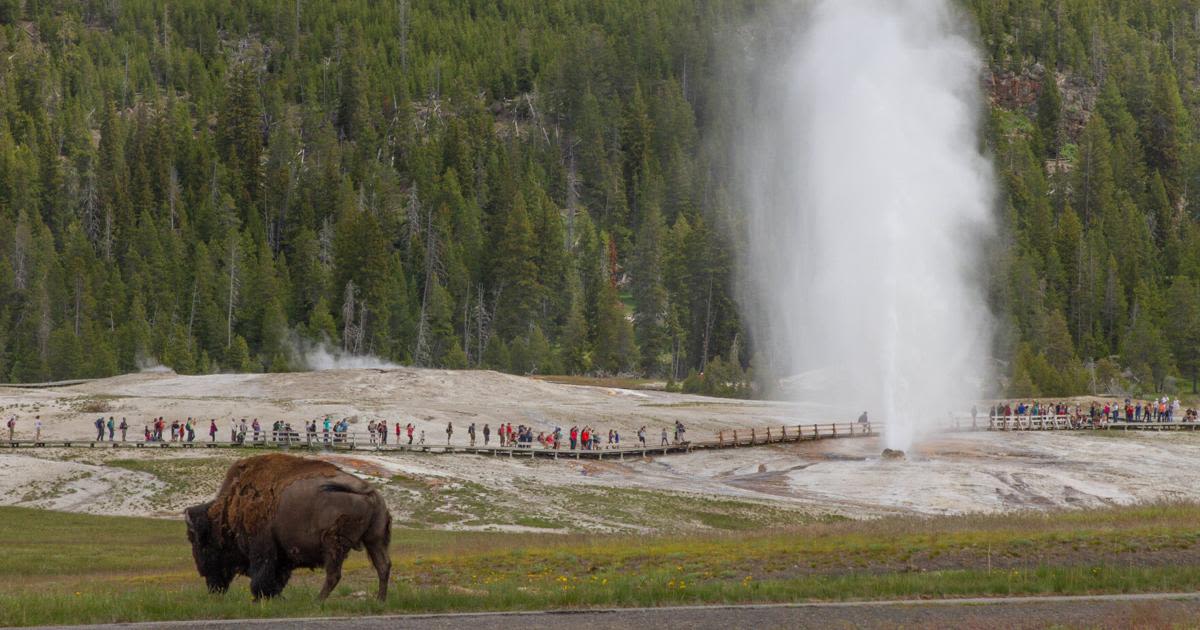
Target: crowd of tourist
x: 1163, y: 409
x: 327, y: 430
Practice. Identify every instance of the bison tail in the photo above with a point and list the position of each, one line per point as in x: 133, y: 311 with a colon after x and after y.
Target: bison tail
x: 335, y: 486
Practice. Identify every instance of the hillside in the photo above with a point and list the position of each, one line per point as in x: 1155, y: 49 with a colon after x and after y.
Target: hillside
x: 536, y: 187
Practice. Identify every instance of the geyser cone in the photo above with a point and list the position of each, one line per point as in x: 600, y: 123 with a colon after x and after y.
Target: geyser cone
x: 869, y: 203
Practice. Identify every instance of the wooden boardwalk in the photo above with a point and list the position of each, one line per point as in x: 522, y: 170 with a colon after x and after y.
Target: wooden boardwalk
x: 732, y: 438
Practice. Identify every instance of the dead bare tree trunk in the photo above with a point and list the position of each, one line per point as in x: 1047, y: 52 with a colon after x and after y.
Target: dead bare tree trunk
x: 192, y: 310
x: 421, y: 355
x: 361, y: 333
x: 78, y: 299
x: 707, y: 326
x: 572, y: 195
x: 348, y: 332
x: 44, y: 322
x: 233, y: 282
x: 467, y: 326
x: 402, y: 19
x: 173, y: 197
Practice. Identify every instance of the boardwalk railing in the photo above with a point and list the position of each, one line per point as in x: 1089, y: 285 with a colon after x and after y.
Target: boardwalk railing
x: 1041, y: 422
x: 1053, y: 422
x: 728, y: 438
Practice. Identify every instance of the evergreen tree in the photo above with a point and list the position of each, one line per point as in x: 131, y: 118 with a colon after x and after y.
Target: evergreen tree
x: 649, y: 293
x: 1049, y: 114
x: 615, y: 349
x: 514, y: 262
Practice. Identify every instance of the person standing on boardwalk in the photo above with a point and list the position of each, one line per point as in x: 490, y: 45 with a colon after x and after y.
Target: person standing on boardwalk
x: 383, y: 431
x: 410, y: 433
x: 12, y: 426
x: 664, y: 436
x: 37, y: 429
x: 212, y: 430
x: 125, y: 428
x: 449, y: 432
x: 99, y: 423
x: 112, y: 426
x: 487, y: 433
x: 191, y: 430
x: 471, y: 433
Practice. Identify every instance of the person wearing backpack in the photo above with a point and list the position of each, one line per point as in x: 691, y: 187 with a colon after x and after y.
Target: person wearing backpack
x: 12, y: 426
x: 124, y: 428
x: 112, y: 427
x: 99, y: 429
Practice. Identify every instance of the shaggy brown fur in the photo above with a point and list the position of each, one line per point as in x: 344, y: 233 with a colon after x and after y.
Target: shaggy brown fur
x: 277, y: 513
x: 250, y: 493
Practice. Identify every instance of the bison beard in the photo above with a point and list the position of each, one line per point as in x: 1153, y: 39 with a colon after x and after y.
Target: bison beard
x: 277, y: 513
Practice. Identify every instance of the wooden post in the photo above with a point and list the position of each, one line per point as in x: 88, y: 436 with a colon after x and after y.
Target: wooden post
x: 752, y: 436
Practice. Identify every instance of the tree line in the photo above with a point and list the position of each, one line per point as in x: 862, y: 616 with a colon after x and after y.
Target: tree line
x: 516, y: 185
x: 1096, y: 277
x: 532, y: 186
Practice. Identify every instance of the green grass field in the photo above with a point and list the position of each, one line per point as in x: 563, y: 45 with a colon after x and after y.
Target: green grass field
x: 72, y: 568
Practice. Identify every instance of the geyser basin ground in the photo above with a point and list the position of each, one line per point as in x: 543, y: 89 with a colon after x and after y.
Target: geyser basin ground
x: 950, y: 474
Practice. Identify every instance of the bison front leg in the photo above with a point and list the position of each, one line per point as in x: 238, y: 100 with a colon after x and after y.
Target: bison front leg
x: 267, y: 577
x: 333, y: 570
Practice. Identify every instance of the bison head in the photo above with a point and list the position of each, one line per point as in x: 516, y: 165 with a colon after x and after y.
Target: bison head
x: 212, y: 559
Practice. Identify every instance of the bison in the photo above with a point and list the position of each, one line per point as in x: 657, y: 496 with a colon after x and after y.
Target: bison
x: 275, y: 513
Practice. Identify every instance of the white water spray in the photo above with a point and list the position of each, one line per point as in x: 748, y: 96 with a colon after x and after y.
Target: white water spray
x: 869, y: 202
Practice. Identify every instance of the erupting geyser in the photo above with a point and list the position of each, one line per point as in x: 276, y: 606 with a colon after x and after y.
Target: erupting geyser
x: 869, y: 202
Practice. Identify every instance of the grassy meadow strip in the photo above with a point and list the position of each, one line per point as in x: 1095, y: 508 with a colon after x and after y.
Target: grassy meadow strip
x: 60, y: 568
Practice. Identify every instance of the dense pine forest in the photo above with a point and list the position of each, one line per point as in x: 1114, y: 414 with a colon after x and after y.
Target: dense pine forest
x: 536, y: 186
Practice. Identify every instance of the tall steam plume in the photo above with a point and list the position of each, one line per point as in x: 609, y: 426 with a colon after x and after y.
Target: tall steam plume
x: 869, y: 203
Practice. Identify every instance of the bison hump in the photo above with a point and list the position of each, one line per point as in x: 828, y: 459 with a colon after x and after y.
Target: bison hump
x: 249, y: 496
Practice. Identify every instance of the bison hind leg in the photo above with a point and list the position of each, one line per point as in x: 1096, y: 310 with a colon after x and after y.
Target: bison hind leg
x: 376, y: 542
